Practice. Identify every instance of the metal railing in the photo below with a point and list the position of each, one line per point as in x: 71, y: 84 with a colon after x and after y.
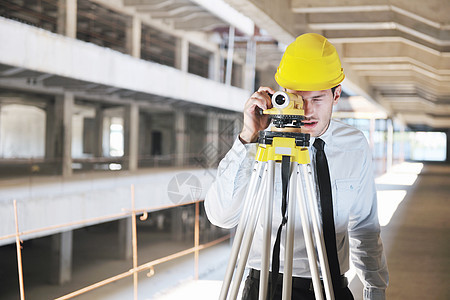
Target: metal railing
x: 135, y: 268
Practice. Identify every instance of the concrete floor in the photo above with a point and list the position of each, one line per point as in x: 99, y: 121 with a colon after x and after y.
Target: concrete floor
x: 414, y: 212
x: 418, y: 238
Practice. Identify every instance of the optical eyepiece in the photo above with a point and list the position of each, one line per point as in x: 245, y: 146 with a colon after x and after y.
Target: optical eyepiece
x: 280, y: 100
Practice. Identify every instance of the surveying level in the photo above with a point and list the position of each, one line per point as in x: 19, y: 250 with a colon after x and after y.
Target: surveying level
x: 285, y: 144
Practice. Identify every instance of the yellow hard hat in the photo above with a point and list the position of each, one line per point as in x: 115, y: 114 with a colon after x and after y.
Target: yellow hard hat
x: 310, y: 63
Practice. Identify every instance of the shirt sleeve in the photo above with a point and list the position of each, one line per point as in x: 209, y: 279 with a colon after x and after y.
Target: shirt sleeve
x: 364, y: 231
x: 224, y: 199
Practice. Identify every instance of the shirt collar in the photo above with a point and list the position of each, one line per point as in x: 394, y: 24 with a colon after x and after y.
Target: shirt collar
x: 326, y: 136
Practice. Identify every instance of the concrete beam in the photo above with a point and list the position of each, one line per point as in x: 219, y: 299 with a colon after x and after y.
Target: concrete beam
x: 54, y: 54
x: 60, y: 205
x: 275, y: 17
x: 228, y: 14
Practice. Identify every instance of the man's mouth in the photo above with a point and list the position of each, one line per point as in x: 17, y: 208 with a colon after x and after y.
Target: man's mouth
x: 309, y: 123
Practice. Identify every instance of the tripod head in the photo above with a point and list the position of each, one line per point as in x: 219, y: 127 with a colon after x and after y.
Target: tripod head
x: 287, y: 111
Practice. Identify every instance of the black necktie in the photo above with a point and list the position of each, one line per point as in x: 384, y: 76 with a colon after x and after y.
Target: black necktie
x: 326, y: 203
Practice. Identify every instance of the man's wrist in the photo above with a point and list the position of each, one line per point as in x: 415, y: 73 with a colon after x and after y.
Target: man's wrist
x: 242, y: 140
x: 246, y: 138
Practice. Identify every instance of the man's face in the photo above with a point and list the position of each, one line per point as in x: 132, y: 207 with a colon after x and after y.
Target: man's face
x: 318, y: 106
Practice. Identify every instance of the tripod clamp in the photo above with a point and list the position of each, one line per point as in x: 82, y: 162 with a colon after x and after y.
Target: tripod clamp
x: 274, y: 145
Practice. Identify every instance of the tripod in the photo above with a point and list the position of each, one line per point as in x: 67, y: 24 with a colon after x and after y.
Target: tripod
x: 289, y: 148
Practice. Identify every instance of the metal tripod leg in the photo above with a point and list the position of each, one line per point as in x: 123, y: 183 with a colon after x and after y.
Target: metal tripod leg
x: 248, y: 238
x: 249, y: 204
x: 268, y: 210
x: 307, y: 234
x: 310, y: 217
x: 305, y: 170
x: 289, y: 247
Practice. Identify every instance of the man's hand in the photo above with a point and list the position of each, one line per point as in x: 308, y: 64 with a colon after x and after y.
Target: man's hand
x: 254, y: 120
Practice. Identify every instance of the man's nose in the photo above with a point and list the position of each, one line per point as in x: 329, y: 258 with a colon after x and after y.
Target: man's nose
x: 308, y: 108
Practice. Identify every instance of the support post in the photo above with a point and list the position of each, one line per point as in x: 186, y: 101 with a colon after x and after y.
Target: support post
x: 131, y: 135
x: 230, y: 56
x: 67, y: 18
x: 214, y: 66
x: 133, y: 37
x: 448, y: 146
x: 98, y: 147
x: 212, y: 138
x: 61, y: 258
x: 389, y: 143
x: 68, y: 103
x: 182, y: 55
x: 250, y: 65
x: 180, y: 132
x: 125, y: 239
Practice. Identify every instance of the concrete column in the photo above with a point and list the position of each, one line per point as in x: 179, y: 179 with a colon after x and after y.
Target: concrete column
x: 372, y: 133
x: 389, y: 143
x: 401, y: 157
x: 250, y: 65
x: 230, y: 54
x: 131, y: 135
x: 212, y: 138
x: 238, y: 123
x: 68, y: 104
x: 448, y: 147
x: 125, y: 239
x: 133, y: 37
x: 214, y: 66
x: 177, y: 223
x: 53, y: 129
x: 67, y: 18
x: 98, y: 147
x: 106, y: 135
x: 61, y: 258
x: 182, y: 55
x: 180, y: 137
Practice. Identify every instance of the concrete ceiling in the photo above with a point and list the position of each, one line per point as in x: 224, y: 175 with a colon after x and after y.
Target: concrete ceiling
x: 395, y: 52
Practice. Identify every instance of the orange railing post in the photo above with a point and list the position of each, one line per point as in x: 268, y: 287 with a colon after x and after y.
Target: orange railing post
x: 19, y: 253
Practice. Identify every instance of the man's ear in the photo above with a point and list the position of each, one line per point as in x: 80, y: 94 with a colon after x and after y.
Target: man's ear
x: 337, y: 94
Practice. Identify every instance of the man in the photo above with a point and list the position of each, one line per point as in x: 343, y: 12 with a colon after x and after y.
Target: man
x: 310, y: 68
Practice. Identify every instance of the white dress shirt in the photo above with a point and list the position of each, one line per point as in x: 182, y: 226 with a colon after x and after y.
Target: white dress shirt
x: 354, y: 202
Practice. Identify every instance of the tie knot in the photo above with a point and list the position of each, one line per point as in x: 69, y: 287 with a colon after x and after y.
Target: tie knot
x: 319, y: 144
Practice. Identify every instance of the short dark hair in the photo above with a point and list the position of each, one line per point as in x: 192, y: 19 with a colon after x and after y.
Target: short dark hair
x: 333, y: 89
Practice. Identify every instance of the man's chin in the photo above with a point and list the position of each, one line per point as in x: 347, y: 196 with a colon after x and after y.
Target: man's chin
x: 308, y: 131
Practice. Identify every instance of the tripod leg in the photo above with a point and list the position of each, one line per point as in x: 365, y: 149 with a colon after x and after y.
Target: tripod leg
x: 310, y: 250
x: 248, y: 237
x: 289, y: 247
x: 248, y: 207
x: 318, y: 231
x: 268, y: 209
